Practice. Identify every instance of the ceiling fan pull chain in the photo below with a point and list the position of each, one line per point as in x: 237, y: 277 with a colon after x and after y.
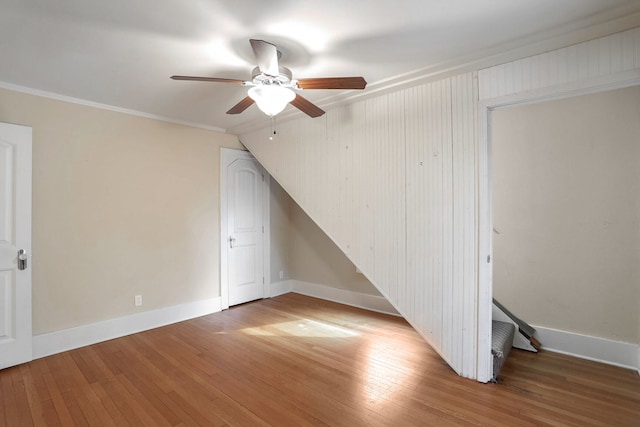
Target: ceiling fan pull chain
x: 272, y: 131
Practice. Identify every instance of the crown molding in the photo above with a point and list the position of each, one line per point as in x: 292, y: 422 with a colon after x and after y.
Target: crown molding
x: 78, y: 101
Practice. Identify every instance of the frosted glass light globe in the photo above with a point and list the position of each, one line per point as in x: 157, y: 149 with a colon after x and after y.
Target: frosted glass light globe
x: 271, y: 99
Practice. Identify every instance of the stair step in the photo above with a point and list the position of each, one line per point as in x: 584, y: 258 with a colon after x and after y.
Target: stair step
x: 501, y: 342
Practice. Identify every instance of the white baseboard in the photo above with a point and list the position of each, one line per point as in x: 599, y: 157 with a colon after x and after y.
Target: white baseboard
x: 280, y: 288
x: 80, y: 336
x: 355, y: 299
x: 617, y: 353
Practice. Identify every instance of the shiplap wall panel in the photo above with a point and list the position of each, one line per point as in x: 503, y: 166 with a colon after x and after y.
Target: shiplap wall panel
x: 378, y: 177
x: 428, y: 168
x: 395, y: 254
x: 462, y: 312
x: 340, y: 130
x: 583, y: 62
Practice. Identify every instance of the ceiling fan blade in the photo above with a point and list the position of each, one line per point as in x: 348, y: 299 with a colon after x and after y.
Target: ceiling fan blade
x: 241, y: 106
x: 207, y: 79
x: 266, y: 57
x: 333, y: 83
x: 307, y: 107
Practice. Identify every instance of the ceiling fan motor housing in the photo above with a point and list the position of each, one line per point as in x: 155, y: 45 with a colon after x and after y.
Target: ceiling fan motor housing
x: 284, y: 79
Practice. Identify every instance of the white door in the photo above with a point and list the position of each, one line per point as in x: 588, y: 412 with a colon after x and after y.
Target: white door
x: 15, y: 236
x: 244, y: 230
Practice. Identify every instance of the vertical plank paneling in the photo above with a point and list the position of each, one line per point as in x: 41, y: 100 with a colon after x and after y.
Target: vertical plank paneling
x: 286, y: 144
x: 396, y: 228
x: 453, y: 306
x: 627, y: 45
x: 416, y: 161
x: 368, y: 151
x: 355, y: 156
x: 593, y: 59
x: 384, y: 179
x: 571, y: 60
x: 343, y: 131
x: 336, y: 175
x: 428, y: 199
x: 409, y: 291
x: 616, y: 53
x: 535, y: 72
x: 445, y: 331
x: 526, y: 77
x: 636, y: 47
x: 361, y: 189
x: 463, y: 311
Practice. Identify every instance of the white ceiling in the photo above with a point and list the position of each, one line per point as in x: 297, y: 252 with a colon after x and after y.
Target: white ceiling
x: 121, y: 52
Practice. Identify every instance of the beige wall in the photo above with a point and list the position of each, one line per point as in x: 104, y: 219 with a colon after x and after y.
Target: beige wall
x: 316, y: 259
x: 566, y: 211
x: 304, y: 252
x: 280, y: 217
x: 122, y: 205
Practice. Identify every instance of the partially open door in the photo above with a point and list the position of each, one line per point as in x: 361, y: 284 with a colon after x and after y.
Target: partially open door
x: 15, y: 245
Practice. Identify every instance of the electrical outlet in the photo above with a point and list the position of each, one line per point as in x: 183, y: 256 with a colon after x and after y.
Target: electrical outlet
x: 137, y: 300
x: 281, y: 274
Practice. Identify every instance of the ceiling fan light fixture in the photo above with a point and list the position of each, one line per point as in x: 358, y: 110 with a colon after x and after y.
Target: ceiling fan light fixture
x: 271, y: 99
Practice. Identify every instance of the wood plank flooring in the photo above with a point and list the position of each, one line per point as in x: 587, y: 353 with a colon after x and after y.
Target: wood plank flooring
x: 300, y: 361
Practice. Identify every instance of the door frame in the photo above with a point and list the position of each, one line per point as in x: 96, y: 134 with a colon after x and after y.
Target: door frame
x: 485, y: 186
x: 228, y: 156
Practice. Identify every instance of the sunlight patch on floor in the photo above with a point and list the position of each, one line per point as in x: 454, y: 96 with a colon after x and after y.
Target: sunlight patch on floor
x: 301, y: 328
x: 383, y: 378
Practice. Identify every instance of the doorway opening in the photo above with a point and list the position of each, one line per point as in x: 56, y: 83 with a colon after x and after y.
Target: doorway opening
x: 488, y: 227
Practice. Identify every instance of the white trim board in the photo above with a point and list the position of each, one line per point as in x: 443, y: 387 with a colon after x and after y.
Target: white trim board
x: 280, y: 288
x: 616, y: 353
x: 355, y: 299
x: 80, y: 336
x: 56, y: 342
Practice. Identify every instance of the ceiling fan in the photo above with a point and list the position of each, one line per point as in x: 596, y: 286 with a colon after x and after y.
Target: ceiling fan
x: 272, y: 86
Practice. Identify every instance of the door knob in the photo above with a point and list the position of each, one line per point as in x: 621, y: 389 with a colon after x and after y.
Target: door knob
x: 231, y: 241
x: 22, y: 259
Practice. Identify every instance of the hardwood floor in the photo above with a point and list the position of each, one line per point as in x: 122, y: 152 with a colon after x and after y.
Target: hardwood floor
x: 299, y: 361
